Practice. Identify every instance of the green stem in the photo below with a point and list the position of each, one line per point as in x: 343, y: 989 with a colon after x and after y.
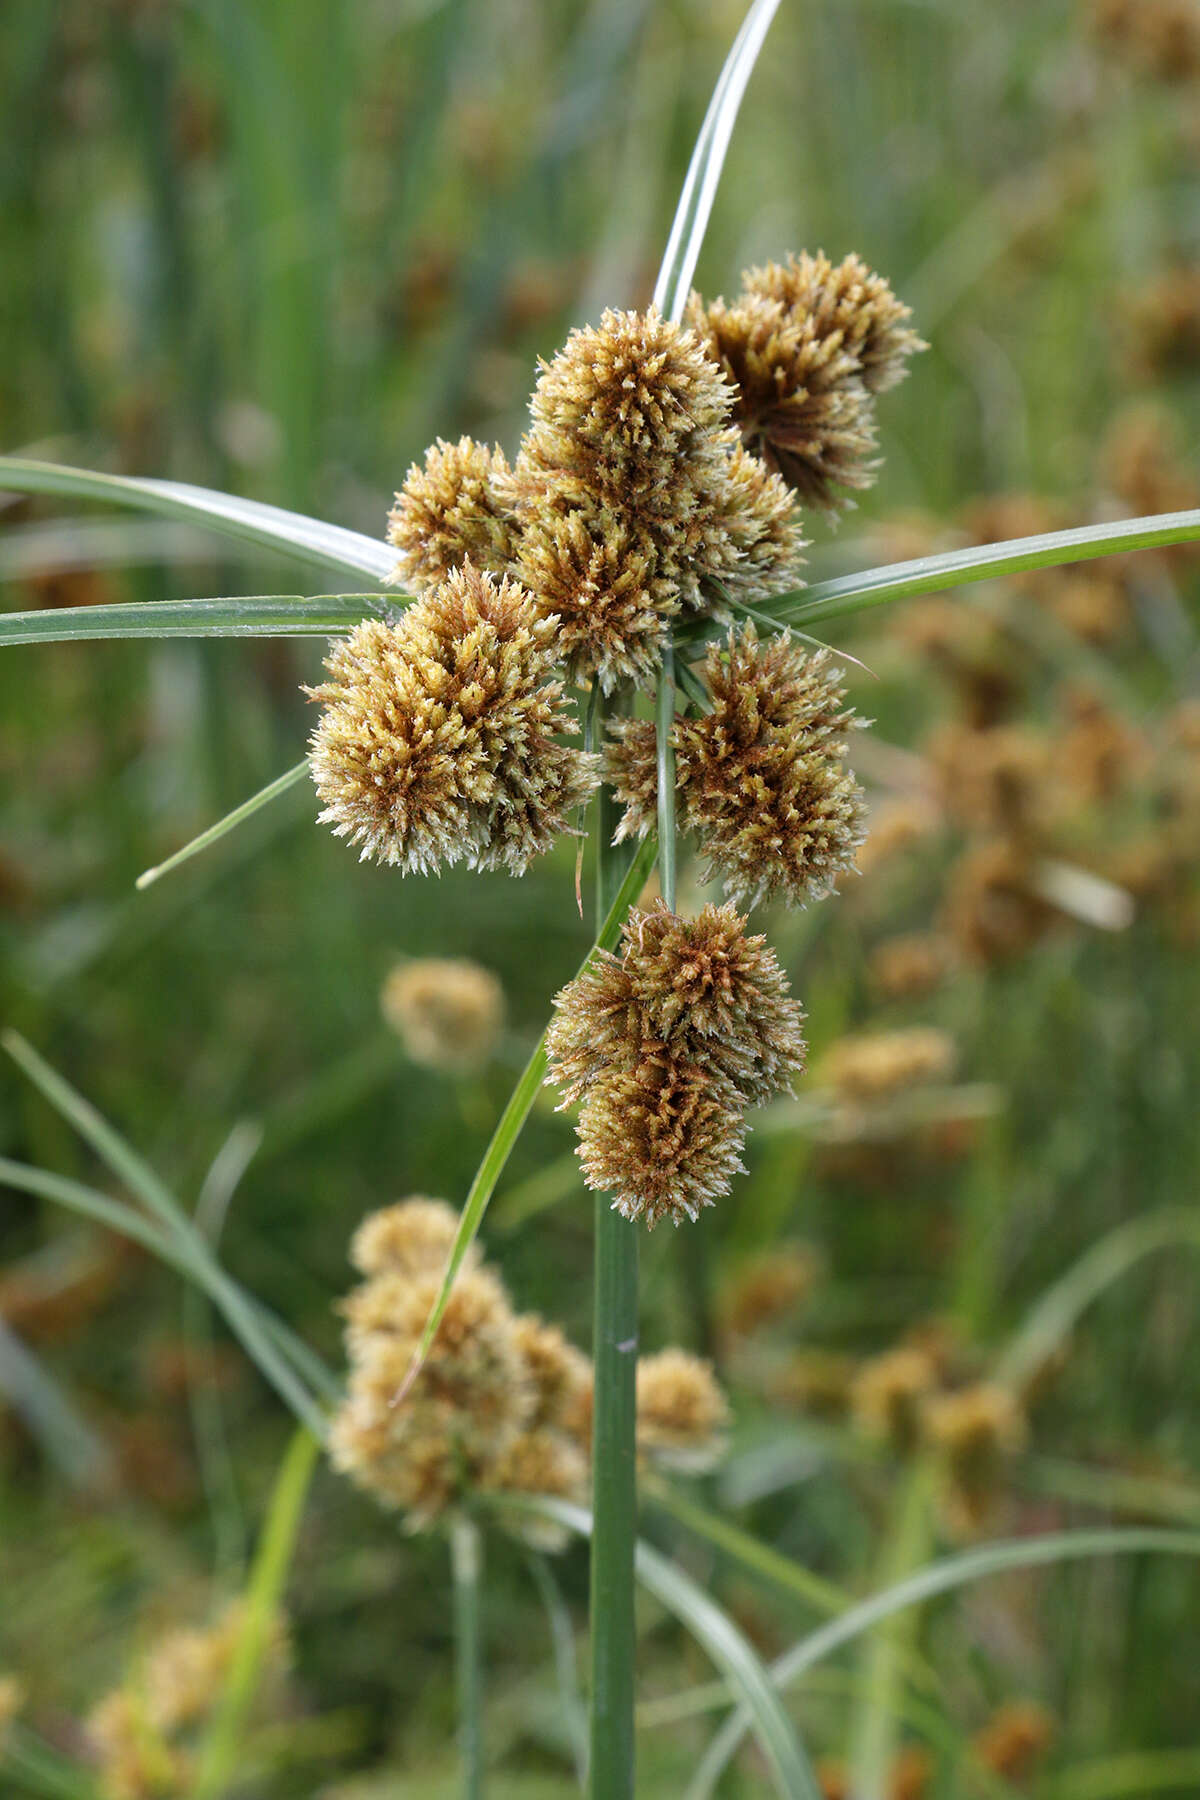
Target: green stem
x: 466, y: 1561
x: 219, y: 1757
x: 614, y: 1478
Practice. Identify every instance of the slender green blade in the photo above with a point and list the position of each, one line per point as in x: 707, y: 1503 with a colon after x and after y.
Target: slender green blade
x: 981, y: 562
x: 938, y: 1578
x: 716, y: 1632
x: 513, y: 1118
x: 293, y: 534
x: 249, y: 615
x: 267, y: 1580
x: 239, y: 814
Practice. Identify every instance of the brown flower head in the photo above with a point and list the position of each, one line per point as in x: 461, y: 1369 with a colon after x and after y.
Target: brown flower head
x: 682, y: 1414
x: 808, y: 346
x: 634, y: 497
x: 448, y: 1011
x: 888, y: 1394
x: 701, y: 990
x: 560, y: 1375
x: 411, y: 1238
x: 437, y: 742
x: 769, y: 1287
x: 875, y: 1065
x: 450, y: 512
x: 909, y: 966
x: 663, y: 1137
x: 760, y: 778
x: 1161, y: 38
x: 543, y: 1462
x: 994, y: 910
x: 977, y: 1430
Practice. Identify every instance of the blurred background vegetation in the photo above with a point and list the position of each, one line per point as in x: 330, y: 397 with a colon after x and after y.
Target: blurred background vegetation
x: 277, y: 249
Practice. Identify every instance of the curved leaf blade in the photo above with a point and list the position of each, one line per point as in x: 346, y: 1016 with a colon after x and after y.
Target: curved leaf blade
x: 231, y: 820
x: 271, y: 527
x: 938, y: 1578
x: 715, y: 1631
x: 240, y: 615
x: 981, y: 562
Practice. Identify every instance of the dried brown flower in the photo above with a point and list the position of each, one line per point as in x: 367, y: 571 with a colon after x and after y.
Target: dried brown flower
x: 760, y: 778
x: 682, y: 1414
x: 1164, y: 321
x: 889, y: 1392
x: 437, y: 742
x: 448, y: 1011
x: 910, y: 966
x: 994, y: 911
x: 875, y: 1065
x: 634, y: 498
x: 450, y: 512
x: 769, y: 1287
x: 999, y: 780
x: 977, y: 1430
x: 1014, y: 1738
x: 411, y: 1238
x: 663, y: 1136
x: 807, y: 347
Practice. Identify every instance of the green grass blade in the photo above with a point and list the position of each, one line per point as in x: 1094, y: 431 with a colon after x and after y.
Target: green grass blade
x: 249, y: 615
x: 1053, y: 1318
x: 718, y: 1635
x: 239, y: 814
x: 708, y: 159
x: 268, y: 1577
x: 1134, y: 1775
x: 43, y: 1771
x: 271, y: 527
x: 938, y: 1578
x: 513, y: 1118
x: 263, y: 1342
x: 981, y: 562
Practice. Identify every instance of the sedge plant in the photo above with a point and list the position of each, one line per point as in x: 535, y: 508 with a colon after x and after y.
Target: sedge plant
x: 613, y: 620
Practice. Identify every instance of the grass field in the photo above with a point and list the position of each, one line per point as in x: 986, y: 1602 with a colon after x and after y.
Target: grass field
x: 277, y: 249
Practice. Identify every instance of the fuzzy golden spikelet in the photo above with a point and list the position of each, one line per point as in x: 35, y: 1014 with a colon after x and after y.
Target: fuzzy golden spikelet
x: 541, y: 1462
x: 448, y: 1011
x: 1159, y: 37
x: 910, y: 966
x: 561, y: 1375
x: 808, y: 346
x: 760, y: 778
x: 449, y: 512
x: 682, y: 1414
x: 437, y: 742
x: 700, y: 989
x: 875, y: 1065
x: 663, y: 1137
x: 888, y: 1394
x: 667, y: 1044
x: 411, y: 1238
x: 635, y: 500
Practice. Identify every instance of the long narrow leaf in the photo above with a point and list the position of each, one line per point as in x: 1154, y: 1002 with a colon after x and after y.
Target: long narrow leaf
x: 239, y: 814
x: 293, y: 534
x: 514, y: 1116
x: 708, y: 159
x: 250, y: 615
x: 981, y: 562
x: 716, y: 1632
x: 939, y: 1578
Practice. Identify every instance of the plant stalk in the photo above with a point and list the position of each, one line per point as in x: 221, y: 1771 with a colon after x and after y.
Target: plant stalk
x: 466, y: 1560
x: 614, y: 1465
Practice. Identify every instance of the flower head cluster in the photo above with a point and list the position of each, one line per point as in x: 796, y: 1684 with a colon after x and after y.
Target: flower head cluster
x: 502, y: 1403
x: 448, y: 513
x: 438, y: 741
x: 143, y: 1733
x: 760, y: 778
x: 667, y: 1045
x: 808, y: 345
x: 447, y: 1011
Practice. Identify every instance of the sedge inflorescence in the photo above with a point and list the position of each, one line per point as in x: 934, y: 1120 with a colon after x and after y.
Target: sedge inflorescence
x: 667, y: 1045
x: 502, y: 1404
x: 657, y: 494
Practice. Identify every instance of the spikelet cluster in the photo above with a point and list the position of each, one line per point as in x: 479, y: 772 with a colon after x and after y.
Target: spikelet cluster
x: 666, y: 1045
x: 769, y: 1288
x: 632, y: 500
x: 877, y: 1065
x: 438, y: 739
x: 682, y: 1415
x: 976, y: 1431
x: 808, y: 345
x: 447, y: 1011
x: 1159, y: 37
x: 1014, y: 1739
x: 448, y: 513
x: 634, y: 497
x: 502, y: 1403
x: 761, y: 780
x: 143, y: 1733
